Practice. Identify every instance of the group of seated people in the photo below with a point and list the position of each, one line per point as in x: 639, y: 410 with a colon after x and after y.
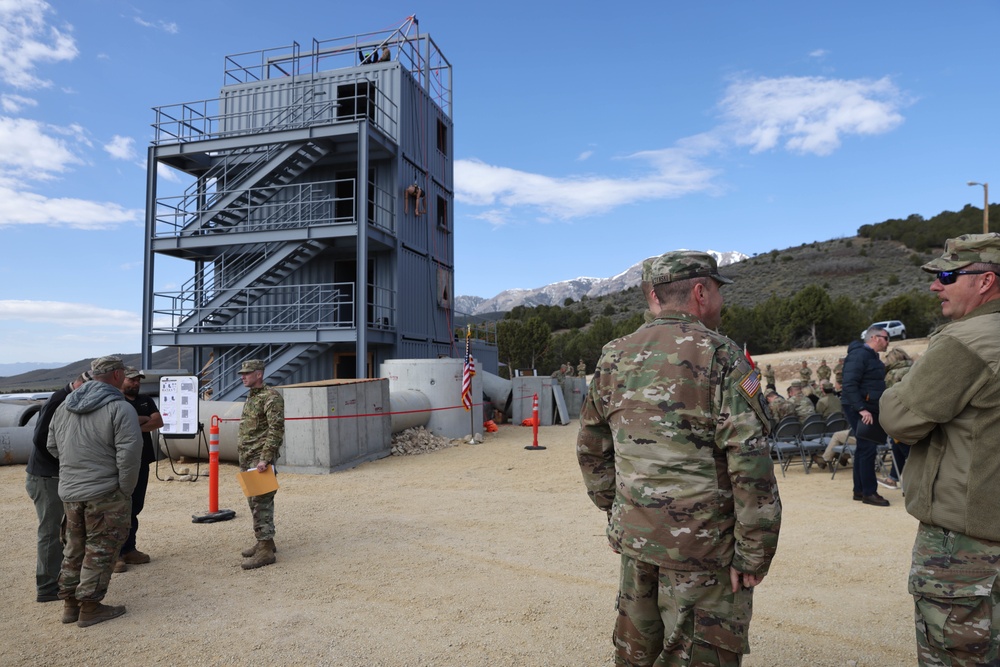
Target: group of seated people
x: 802, y: 403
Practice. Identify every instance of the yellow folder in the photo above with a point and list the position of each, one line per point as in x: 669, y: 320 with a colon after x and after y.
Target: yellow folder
x: 258, y: 483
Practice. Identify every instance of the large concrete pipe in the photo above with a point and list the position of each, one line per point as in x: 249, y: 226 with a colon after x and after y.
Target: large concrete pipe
x: 498, y: 390
x: 15, y: 444
x: 409, y: 408
x: 17, y: 413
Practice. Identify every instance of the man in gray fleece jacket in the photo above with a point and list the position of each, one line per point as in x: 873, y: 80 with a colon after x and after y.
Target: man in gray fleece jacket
x: 95, y: 435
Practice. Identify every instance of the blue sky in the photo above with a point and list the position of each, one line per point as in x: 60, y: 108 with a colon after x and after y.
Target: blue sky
x: 585, y: 140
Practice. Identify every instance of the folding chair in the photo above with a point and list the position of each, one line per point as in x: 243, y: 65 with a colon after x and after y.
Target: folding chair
x: 785, y: 442
x: 811, y: 438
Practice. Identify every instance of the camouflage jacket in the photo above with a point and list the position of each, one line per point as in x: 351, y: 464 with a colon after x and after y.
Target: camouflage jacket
x: 823, y: 372
x: 895, y: 371
x: 262, y: 426
x: 838, y: 372
x: 805, y: 374
x: 829, y: 404
x: 672, y: 443
x: 781, y: 407
x: 803, y: 406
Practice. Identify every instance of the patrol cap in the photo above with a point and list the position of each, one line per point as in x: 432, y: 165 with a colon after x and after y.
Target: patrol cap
x: 964, y: 250
x: 684, y: 264
x: 251, y: 365
x: 795, y: 383
x: 647, y: 271
x: 827, y: 385
x: 103, y: 365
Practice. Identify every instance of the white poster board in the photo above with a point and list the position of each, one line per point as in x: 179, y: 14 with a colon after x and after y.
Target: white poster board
x: 179, y: 406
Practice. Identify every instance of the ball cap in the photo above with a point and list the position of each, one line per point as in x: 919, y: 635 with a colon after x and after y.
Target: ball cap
x: 133, y: 372
x: 251, y: 365
x: 964, y: 250
x: 103, y: 365
x: 684, y: 264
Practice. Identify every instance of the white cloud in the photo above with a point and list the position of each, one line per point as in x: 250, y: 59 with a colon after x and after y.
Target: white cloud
x: 15, y: 103
x: 67, y: 314
x: 28, y: 147
x: 584, y: 155
x: 18, y: 207
x: 819, y: 53
x: 809, y: 114
x: 26, y: 41
x: 674, y: 172
x: 168, y: 27
x: 121, y: 148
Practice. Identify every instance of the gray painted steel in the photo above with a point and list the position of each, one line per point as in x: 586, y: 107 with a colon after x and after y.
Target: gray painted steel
x: 301, y: 248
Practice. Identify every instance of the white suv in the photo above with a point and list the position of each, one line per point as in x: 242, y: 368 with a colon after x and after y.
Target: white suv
x: 894, y: 328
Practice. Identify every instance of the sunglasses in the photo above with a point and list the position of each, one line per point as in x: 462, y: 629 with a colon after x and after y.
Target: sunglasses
x: 949, y: 277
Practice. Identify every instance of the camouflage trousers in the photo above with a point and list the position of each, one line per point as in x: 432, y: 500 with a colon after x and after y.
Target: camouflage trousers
x: 956, y: 592
x: 93, y: 532
x: 669, y: 618
x: 262, y: 511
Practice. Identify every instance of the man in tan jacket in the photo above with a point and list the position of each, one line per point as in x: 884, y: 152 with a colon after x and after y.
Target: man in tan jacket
x: 948, y: 409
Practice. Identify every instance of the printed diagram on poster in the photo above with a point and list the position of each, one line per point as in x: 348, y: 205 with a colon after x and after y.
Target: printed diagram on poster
x: 179, y: 406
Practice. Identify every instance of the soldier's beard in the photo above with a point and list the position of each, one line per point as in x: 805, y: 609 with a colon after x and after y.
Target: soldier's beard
x: 131, y: 392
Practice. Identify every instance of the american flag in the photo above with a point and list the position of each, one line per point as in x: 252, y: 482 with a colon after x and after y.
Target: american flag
x: 468, y: 370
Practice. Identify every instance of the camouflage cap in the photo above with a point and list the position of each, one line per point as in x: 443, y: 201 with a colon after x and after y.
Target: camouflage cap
x: 251, y: 365
x: 683, y: 264
x: 133, y: 372
x: 647, y: 271
x: 103, y: 365
x: 795, y: 383
x: 964, y: 250
x: 827, y: 385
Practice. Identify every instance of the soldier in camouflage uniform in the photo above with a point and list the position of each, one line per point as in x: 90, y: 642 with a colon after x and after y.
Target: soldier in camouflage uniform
x: 948, y: 409
x: 803, y: 406
x: 838, y: 372
x: 672, y: 446
x: 805, y: 373
x: 823, y: 371
x: 769, y: 376
x: 262, y: 427
x: 779, y: 406
x: 581, y: 369
x: 96, y: 437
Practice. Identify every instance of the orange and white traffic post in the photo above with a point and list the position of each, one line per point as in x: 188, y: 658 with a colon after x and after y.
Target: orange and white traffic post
x: 213, y: 514
x: 534, y: 425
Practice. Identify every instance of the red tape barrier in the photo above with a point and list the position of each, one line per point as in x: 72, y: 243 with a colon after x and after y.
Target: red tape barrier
x: 372, y: 414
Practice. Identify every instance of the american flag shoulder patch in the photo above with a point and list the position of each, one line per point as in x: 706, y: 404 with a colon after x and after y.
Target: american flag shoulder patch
x: 751, y: 383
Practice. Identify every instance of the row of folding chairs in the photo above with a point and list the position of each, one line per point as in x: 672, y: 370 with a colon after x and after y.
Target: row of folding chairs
x: 791, y: 438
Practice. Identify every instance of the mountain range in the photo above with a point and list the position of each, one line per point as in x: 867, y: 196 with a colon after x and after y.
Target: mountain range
x: 557, y: 293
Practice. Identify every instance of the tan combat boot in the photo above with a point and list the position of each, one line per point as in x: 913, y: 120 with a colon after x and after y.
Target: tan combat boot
x: 263, y: 556
x: 71, y: 610
x: 252, y: 549
x: 93, y: 612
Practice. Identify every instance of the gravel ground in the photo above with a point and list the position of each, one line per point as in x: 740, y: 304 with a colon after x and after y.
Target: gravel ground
x: 470, y: 555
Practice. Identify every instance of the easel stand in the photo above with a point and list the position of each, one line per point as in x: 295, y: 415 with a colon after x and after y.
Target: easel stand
x: 166, y: 445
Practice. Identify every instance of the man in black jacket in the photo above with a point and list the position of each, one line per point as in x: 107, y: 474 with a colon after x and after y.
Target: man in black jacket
x: 42, y: 484
x: 863, y: 384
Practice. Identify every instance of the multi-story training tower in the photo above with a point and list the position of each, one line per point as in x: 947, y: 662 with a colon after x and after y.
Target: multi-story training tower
x: 312, y: 173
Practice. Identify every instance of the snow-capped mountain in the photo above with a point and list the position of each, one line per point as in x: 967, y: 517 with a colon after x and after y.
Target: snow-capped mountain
x: 557, y: 293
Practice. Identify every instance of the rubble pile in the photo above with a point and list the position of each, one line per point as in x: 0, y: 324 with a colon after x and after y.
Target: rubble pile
x: 418, y: 440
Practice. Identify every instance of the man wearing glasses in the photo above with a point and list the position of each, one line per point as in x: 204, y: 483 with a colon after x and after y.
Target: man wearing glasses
x: 864, y: 382
x: 948, y: 409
